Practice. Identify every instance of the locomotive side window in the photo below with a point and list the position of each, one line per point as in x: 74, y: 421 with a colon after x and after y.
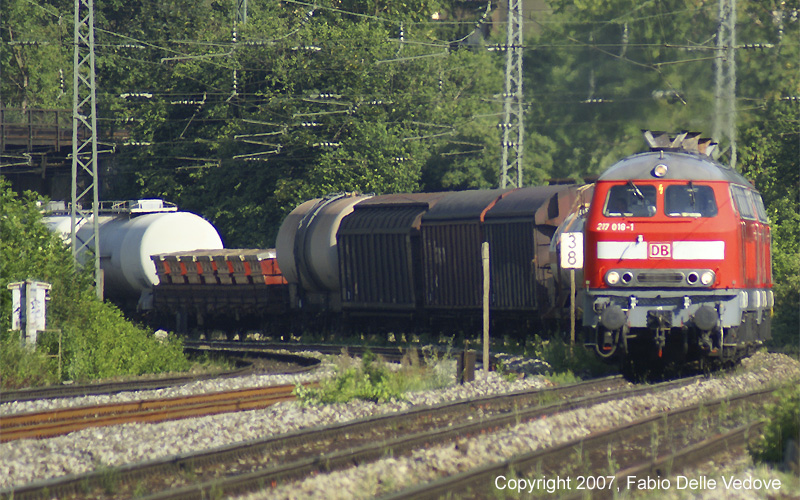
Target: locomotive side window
x: 743, y: 203
x: 690, y: 200
x: 760, y: 210
x: 630, y: 200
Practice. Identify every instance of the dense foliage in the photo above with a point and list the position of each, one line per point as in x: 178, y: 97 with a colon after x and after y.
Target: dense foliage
x: 97, y: 340
x: 783, y: 425
x: 241, y: 121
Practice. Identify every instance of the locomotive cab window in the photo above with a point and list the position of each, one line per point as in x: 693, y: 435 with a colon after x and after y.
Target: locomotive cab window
x: 760, y: 210
x: 743, y: 202
x: 630, y: 200
x: 690, y: 200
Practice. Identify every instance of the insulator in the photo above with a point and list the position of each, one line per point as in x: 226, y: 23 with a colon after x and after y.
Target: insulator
x: 755, y: 46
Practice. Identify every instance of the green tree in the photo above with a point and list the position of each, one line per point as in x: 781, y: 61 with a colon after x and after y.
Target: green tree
x: 769, y: 151
x: 325, y: 99
x: 98, y: 341
x: 34, y: 58
x: 599, y: 71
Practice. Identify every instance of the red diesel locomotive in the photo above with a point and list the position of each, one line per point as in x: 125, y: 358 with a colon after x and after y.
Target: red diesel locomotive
x: 677, y: 258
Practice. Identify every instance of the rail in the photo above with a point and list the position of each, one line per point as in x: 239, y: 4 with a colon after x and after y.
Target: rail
x: 63, y: 421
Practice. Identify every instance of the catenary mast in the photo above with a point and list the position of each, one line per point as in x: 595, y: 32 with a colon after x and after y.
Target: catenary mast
x: 84, y: 141
x: 512, y: 126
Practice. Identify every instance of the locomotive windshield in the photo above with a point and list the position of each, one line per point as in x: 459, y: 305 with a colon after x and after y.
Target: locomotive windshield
x: 630, y: 200
x: 690, y: 200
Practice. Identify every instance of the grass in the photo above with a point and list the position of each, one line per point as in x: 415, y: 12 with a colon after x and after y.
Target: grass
x: 372, y: 379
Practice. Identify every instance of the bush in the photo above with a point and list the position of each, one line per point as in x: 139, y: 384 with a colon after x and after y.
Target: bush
x: 783, y: 424
x: 98, y: 342
x: 19, y: 367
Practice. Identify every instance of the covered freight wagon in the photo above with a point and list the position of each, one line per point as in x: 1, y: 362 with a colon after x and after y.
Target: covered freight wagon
x: 379, y: 252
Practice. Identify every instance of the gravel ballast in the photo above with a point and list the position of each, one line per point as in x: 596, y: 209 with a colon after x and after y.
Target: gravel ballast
x: 391, y: 474
x: 33, y: 460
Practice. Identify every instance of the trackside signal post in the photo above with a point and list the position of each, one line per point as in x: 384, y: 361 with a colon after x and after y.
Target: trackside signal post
x: 28, y: 308
x: 571, y: 258
x: 486, y: 281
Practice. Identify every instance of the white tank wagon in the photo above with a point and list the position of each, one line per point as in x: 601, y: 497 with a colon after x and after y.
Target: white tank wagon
x: 132, y: 231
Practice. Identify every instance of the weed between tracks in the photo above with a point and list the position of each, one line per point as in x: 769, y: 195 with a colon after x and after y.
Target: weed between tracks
x: 372, y: 379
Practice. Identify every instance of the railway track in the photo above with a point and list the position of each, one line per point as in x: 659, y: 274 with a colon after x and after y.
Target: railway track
x: 245, y: 347
x: 631, y: 446
x: 282, y: 458
x: 79, y: 390
x: 63, y: 421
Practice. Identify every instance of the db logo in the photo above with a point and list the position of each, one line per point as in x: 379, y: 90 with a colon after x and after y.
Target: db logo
x: 659, y: 250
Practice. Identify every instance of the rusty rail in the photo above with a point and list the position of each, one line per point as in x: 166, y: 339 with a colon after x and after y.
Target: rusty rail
x: 63, y: 421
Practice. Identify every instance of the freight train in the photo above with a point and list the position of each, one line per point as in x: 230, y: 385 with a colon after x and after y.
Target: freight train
x: 676, y: 251
x: 402, y: 262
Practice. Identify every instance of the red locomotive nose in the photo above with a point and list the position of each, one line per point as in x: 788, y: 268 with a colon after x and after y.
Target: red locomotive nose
x: 677, y: 249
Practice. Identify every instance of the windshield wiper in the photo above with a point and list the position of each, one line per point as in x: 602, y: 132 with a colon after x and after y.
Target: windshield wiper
x: 691, y: 193
x: 636, y: 190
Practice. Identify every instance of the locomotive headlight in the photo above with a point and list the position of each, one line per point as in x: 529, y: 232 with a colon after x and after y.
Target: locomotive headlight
x: 612, y: 278
x: 707, y: 278
x: 660, y: 170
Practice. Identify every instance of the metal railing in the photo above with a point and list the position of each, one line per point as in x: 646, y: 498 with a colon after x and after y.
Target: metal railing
x: 35, y: 129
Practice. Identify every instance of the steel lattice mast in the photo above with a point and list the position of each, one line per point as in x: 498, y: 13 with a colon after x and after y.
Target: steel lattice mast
x: 512, y: 126
x: 725, y: 77
x: 84, y: 149
x: 241, y: 11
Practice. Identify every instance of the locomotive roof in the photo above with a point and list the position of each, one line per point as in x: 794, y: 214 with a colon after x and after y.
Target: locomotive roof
x: 681, y: 166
